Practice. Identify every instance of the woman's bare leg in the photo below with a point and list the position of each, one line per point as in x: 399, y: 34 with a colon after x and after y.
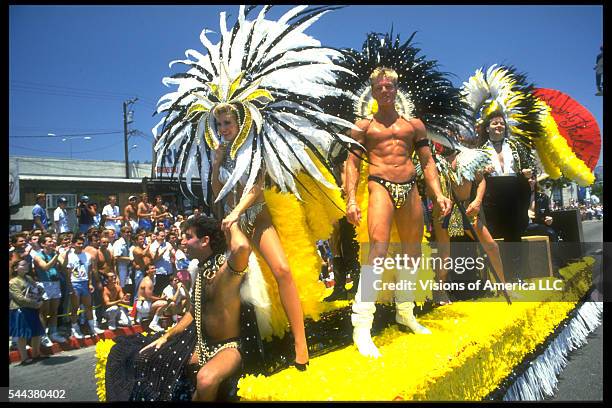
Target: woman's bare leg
x: 267, y: 242
x: 491, y: 248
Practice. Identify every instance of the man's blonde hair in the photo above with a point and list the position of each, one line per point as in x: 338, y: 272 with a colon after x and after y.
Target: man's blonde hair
x: 382, y: 72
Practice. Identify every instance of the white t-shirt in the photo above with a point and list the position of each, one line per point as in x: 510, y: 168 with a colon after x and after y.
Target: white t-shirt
x: 61, y: 219
x: 112, y: 212
x: 120, y: 248
x: 181, y: 262
x: 169, y: 292
x: 78, y: 265
x: 163, y: 264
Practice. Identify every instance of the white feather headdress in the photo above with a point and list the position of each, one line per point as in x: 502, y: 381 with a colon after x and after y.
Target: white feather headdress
x: 273, y: 75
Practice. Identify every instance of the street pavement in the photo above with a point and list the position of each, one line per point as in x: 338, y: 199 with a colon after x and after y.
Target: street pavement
x: 73, y: 371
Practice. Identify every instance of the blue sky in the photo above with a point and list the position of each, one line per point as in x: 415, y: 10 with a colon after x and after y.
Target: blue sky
x: 71, y: 67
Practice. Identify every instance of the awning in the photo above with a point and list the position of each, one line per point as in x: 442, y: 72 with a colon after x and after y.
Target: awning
x: 83, y: 179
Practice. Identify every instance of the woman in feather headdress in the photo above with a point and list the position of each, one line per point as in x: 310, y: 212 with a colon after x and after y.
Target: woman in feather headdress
x: 506, y: 116
x: 246, y: 116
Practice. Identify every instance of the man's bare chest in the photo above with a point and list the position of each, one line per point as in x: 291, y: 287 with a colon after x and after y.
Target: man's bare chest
x: 397, y: 133
x: 113, y: 294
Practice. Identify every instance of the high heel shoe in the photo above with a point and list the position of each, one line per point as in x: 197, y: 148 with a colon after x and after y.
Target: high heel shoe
x: 300, y: 366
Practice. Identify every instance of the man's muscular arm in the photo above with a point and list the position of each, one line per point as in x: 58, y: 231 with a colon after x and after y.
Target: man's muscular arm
x: 429, y: 168
x: 240, y: 250
x: 353, y: 213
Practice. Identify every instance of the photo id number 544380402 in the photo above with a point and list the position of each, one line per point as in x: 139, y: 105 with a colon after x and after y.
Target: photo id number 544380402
x: 36, y: 394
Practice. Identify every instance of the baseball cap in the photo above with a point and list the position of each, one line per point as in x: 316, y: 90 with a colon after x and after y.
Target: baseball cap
x: 62, y: 200
x: 132, y: 197
x: 84, y: 198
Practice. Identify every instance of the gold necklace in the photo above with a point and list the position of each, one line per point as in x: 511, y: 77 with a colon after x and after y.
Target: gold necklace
x: 209, y: 271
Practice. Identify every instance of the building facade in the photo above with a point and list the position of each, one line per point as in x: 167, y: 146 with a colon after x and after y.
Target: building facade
x: 73, y: 178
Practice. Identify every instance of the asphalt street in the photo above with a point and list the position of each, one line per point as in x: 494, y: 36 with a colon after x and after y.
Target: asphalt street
x: 73, y: 371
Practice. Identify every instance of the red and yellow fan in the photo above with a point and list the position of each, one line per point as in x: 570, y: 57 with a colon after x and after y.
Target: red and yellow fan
x: 571, y: 141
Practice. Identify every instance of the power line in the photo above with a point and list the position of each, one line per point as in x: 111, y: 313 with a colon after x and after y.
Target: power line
x: 47, y: 151
x: 79, y: 90
x: 48, y: 166
x: 73, y: 135
x: 73, y: 95
x: 45, y: 128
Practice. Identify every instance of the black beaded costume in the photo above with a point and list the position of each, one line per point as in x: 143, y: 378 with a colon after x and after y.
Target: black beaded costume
x: 165, y: 374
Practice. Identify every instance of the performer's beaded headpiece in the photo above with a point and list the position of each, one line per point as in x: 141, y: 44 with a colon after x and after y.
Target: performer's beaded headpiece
x: 273, y: 76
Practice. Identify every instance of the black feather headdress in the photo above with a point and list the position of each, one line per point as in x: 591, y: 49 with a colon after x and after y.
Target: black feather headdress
x: 423, y: 91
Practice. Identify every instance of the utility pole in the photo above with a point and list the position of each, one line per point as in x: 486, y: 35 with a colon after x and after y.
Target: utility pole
x: 126, y: 104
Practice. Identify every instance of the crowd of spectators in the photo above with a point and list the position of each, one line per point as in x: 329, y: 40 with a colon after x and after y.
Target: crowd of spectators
x: 588, y: 211
x: 109, y: 270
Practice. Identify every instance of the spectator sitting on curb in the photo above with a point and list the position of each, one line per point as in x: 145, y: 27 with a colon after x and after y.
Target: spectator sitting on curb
x: 178, y: 300
x: 113, y: 297
x: 147, y: 304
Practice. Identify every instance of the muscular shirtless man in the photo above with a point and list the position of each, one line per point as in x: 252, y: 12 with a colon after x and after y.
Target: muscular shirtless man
x: 93, y: 250
x: 389, y: 140
x: 215, y: 309
x: 130, y: 214
x: 160, y: 212
x: 141, y: 259
x: 144, y: 213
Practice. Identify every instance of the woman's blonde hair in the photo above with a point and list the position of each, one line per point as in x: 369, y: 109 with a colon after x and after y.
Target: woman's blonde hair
x: 225, y: 108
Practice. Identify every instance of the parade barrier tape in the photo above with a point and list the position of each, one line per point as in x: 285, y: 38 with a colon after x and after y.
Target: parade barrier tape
x: 474, y: 346
x: 79, y: 311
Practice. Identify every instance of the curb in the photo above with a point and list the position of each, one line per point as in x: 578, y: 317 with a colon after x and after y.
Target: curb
x: 74, y: 344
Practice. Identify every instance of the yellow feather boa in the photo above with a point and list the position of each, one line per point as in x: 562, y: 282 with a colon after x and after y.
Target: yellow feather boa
x: 556, y: 155
x: 323, y: 206
x: 103, y: 347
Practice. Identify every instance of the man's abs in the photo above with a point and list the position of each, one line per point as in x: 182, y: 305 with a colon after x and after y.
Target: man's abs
x: 397, y: 171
